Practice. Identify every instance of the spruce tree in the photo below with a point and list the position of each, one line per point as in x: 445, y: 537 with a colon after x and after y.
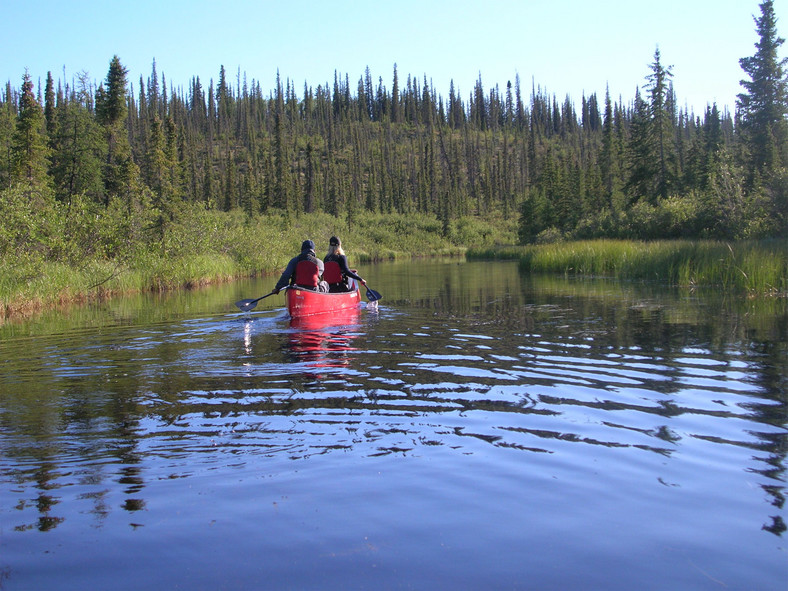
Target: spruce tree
x: 111, y: 112
x: 78, y: 148
x: 29, y: 149
x: 763, y: 105
x: 7, y: 124
x: 281, y: 181
x: 607, y: 153
x: 155, y: 169
x: 223, y: 98
x: 369, y: 94
x: 661, y: 125
x: 395, y: 98
x: 49, y: 106
x: 641, y: 164
x: 175, y: 182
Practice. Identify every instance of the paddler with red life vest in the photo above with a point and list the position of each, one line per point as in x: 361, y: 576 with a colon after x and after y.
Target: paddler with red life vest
x: 304, y: 271
x: 337, y: 278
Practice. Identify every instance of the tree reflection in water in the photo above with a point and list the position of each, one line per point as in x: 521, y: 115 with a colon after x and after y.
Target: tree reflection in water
x: 660, y: 412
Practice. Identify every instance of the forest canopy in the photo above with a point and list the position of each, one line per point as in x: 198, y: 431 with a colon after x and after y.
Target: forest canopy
x: 608, y: 167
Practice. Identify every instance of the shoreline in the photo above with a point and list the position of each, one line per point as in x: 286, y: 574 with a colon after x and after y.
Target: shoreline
x: 757, y: 269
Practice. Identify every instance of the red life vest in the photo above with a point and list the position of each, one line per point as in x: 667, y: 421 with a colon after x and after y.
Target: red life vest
x: 332, y: 273
x: 307, y: 274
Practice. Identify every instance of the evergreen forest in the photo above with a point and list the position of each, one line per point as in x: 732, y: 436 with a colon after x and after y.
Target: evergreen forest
x: 638, y: 167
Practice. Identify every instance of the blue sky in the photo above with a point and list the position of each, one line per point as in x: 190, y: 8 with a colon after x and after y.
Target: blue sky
x: 566, y: 47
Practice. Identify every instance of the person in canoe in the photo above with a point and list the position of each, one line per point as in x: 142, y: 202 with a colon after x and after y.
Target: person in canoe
x: 336, y: 269
x: 303, y: 270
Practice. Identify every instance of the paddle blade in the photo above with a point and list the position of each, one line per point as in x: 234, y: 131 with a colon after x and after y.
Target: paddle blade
x: 372, y: 295
x: 246, y: 305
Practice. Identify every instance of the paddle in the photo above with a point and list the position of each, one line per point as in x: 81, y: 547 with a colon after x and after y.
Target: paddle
x: 372, y: 295
x: 246, y: 305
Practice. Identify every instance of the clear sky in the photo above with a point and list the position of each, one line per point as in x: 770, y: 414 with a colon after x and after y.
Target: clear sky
x: 566, y: 47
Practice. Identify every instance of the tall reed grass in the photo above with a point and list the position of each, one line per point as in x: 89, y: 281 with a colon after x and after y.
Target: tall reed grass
x: 753, y: 266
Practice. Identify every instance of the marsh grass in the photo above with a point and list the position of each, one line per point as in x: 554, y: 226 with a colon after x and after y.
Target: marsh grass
x: 755, y: 267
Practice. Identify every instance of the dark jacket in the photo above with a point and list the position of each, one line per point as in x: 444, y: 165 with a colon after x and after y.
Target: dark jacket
x: 341, y: 259
x: 288, y: 276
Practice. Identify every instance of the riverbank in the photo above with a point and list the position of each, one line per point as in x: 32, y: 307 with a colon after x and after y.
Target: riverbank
x: 69, y: 257
x: 757, y: 267
x: 83, y: 253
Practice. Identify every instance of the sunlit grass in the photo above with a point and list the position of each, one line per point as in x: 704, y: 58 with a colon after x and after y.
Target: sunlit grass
x: 198, y: 246
x: 757, y: 267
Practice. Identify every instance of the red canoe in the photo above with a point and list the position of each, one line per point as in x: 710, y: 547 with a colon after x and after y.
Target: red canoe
x: 303, y: 302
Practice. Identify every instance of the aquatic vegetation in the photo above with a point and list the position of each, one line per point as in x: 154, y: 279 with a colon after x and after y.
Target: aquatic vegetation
x: 754, y: 266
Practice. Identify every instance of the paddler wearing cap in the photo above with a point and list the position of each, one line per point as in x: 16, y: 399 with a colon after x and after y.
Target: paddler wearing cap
x: 338, y: 279
x: 303, y: 270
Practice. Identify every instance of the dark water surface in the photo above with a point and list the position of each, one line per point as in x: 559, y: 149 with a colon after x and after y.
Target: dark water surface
x: 482, y: 429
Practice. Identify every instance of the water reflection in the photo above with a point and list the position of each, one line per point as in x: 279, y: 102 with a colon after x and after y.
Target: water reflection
x: 324, y: 340
x: 546, y: 381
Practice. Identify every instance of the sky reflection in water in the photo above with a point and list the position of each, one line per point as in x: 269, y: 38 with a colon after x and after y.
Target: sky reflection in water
x: 479, y: 429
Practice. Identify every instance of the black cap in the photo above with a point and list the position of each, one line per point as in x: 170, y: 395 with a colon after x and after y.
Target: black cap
x: 334, y: 241
x: 307, y: 245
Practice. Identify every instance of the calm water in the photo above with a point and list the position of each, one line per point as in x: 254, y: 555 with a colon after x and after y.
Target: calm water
x: 481, y: 430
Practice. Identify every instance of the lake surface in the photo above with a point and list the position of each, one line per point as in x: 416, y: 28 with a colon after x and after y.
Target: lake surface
x: 482, y: 429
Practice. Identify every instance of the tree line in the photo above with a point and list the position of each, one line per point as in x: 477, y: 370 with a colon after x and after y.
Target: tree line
x: 641, y: 168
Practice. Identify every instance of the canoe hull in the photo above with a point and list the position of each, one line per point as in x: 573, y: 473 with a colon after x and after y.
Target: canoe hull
x: 302, y: 302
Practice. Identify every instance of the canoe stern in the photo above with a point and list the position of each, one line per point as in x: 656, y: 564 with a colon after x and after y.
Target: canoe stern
x: 303, y: 302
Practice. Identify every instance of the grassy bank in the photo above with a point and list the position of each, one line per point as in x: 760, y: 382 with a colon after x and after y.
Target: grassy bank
x: 756, y: 267
x: 83, y: 252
